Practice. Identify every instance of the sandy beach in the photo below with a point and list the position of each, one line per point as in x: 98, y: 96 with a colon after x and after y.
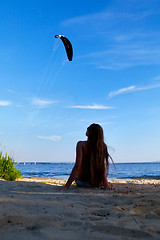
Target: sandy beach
x: 33, y: 208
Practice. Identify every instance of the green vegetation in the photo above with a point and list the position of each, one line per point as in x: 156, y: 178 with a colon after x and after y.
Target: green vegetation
x: 8, y: 169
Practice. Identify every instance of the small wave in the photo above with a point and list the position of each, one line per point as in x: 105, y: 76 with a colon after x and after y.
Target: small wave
x: 141, y: 177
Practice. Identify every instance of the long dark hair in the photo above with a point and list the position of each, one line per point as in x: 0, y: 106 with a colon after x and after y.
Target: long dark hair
x: 97, y: 154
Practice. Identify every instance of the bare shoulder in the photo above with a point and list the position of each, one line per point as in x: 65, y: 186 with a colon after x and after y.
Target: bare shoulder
x: 81, y: 144
x: 81, y: 148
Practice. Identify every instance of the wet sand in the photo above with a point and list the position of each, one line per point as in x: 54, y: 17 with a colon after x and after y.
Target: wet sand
x: 33, y: 208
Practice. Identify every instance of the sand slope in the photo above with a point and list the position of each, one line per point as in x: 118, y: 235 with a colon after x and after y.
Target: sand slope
x: 35, y: 209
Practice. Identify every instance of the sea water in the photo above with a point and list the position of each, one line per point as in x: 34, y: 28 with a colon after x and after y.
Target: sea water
x: 63, y: 170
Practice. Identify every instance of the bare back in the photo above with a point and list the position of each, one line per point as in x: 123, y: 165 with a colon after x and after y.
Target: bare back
x: 84, y: 164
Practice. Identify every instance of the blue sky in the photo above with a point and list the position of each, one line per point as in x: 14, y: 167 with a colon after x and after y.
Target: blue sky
x: 47, y: 102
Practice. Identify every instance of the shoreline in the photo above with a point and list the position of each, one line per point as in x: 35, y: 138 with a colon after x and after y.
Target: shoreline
x: 120, y: 180
x: 63, y: 170
x: 33, y: 208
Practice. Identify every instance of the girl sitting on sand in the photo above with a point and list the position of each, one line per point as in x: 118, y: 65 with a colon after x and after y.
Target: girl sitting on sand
x: 92, y: 164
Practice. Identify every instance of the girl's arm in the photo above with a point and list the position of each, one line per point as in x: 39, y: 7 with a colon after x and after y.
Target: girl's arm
x: 107, y: 185
x: 105, y: 181
x: 75, y: 170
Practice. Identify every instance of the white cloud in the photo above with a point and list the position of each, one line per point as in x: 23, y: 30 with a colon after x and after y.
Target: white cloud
x: 120, y: 45
x: 157, y: 78
x: 95, y: 106
x: 19, y: 105
x: 106, y: 15
x: 88, y: 18
x: 131, y: 89
x: 11, y: 91
x: 122, y: 91
x: 147, y: 87
x: 5, y: 103
x: 41, y: 103
x: 52, y: 138
x: 105, y: 123
x: 125, y: 55
x: 101, y: 122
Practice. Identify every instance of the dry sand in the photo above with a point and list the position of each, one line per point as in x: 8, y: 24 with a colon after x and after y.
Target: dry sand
x: 33, y: 208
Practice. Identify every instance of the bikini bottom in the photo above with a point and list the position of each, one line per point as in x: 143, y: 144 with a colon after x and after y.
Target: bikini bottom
x: 82, y: 184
